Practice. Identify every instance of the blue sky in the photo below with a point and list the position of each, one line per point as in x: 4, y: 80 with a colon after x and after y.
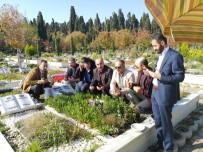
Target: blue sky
x: 60, y: 9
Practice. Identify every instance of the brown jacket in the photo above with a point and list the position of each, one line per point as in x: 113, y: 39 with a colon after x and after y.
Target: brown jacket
x: 32, y: 78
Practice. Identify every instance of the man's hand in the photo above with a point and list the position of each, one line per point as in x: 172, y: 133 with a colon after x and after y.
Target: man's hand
x: 136, y: 88
x: 43, y: 81
x: 100, y: 88
x: 116, y: 93
x: 91, y: 87
x: 71, y: 79
x: 156, y: 74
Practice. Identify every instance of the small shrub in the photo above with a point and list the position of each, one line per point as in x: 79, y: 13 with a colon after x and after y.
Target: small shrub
x: 35, y: 146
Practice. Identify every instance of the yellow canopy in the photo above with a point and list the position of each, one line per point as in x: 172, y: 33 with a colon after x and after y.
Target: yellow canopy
x: 180, y: 19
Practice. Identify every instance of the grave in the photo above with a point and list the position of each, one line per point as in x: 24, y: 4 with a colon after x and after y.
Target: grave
x: 16, y: 103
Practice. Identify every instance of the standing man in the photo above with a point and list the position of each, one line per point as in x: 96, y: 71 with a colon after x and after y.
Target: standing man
x: 169, y: 72
x: 36, y: 80
x: 101, y: 78
x: 143, y: 85
x: 122, y: 83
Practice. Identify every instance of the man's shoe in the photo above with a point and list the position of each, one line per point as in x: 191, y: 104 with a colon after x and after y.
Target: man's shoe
x: 38, y: 101
x: 155, y: 148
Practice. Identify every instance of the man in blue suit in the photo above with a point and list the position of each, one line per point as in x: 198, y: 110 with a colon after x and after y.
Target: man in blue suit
x: 169, y: 72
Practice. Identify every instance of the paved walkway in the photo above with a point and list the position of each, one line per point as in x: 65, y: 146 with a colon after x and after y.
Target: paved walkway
x: 195, y: 144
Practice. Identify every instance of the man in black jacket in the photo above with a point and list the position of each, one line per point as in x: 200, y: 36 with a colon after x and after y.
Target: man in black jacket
x: 101, y: 78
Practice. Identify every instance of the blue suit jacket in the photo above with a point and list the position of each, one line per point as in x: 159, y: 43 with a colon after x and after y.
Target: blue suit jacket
x: 172, y: 72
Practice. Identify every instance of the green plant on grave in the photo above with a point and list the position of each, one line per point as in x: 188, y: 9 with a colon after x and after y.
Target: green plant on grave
x: 49, y: 130
x: 10, y: 77
x: 35, y: 146
x: 112, y: 117
x: 3, y: 128
x: 10, y: 92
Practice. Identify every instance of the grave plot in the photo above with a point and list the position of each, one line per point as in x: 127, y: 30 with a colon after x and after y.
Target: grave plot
x: 44, y: 131
x: 111, y: 116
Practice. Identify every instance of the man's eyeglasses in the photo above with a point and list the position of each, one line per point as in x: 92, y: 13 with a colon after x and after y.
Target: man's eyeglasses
x: 118, y: 67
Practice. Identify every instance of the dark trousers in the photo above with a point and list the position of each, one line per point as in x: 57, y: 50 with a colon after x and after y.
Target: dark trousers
x: 37, y: 90
x: 163, y: 124
x: 105, y: 91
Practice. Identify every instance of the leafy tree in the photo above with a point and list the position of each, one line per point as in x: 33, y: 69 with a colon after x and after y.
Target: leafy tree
x: 142, y: 40
x: 123, y: 39
x: 184, y: 49
x: 39, y: 48
x: 30, y: 50
x: 121, y: 19
x: 41, y: 27
x: 103, y: 41
x: 15, y: 30
x: 72, y: 19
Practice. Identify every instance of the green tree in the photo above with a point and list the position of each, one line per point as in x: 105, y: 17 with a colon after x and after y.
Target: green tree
x: 81, y: 25
x: 134, y: 23
x: 30, y: 50
x: 121, y: 19
x: 128, y: 21
x: 97, y: 23
x: 57, y: 46
x: 108, y: 25
x: 145, y: 22
x: 72, y: 19
x: 41, y: 27
x: 72, y: 46
x: 184, y: 49
x: 114, y: 22
x: 155, y: 27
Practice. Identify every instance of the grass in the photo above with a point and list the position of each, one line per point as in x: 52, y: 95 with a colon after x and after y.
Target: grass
x: 4, y: 93
x: 12, y: 76
x: 49, y: 131
x: 183, y: 94
x: 3, y: 128
x: 113, y: 117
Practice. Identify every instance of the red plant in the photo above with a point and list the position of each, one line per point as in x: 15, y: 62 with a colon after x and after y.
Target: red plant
x: 59, y: 78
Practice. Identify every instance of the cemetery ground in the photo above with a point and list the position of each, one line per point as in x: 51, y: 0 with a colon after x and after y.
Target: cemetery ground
x: 73, y: 122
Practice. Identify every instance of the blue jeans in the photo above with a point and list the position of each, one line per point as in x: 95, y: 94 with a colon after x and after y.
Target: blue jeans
x: 82, y: 86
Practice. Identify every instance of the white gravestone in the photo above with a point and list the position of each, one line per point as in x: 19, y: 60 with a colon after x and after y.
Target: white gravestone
x: 1, y: 71
x: 9, y: 105
x: 16, y: 103
x: 25, y: 101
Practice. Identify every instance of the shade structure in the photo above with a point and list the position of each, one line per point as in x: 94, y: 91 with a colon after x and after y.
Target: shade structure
x: 180, y: 19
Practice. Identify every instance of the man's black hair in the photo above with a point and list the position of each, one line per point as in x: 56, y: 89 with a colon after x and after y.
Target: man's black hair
x: 159, y: 37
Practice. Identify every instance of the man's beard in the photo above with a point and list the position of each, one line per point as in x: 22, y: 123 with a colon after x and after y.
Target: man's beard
x: 160, y: 50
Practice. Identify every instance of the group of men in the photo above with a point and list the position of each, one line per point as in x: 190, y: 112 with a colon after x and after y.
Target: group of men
x: 157, y: 89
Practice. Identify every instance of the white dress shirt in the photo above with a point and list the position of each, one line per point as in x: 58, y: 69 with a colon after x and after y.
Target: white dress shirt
x: 160, y: 60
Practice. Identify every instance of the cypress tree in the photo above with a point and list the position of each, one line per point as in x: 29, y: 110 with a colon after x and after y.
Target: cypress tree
x: 72, y: 19
x: 57, y: 45
x: 155, y: 27
x: 97, y: 23
x: 128, y: 21
x: 121, y: 19
x: 41, y: 27
x: 72, y: 47
x: 134, y: 23
x: 114, y: 22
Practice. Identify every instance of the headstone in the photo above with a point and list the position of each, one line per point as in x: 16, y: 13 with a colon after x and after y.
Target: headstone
x: 16, y: 103
x: 6, y: 71
x: 9, y: 105
x: 1, y: 71
x: 25, y: 101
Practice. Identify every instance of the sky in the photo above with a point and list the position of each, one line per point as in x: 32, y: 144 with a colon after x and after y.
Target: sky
x: 59, y: 10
